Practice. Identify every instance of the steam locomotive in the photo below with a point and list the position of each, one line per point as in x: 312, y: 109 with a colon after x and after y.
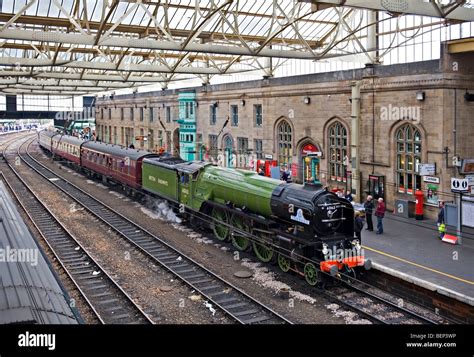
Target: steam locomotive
x: 304, y: 228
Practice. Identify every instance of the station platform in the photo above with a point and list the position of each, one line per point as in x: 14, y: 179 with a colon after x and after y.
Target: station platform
x: 29, y: 288
x: 411, y: 250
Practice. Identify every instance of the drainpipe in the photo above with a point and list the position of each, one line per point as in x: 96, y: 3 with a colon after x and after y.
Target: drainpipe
x: 355, y: 140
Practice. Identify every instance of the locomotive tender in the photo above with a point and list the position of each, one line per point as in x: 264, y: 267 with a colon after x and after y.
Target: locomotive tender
x: 305, y: 228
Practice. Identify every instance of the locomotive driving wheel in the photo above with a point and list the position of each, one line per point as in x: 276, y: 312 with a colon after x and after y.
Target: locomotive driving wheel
x: 219, y: 227
x: 239, y: 241
x: 311, y: 274
x: 284, y: 263
x: 262, y: 249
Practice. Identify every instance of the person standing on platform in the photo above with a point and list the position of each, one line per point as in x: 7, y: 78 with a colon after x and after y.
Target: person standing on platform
x: 441, y: 223
x: 369, y: 209
x: 348, y: 196
x: 285, y: 175
x: 380, y: 213
x: 358, y: 225
x: 441, y: 213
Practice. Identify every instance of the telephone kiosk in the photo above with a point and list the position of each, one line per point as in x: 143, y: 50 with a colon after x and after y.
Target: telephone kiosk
x: 311, y: 168
x: 266, y: 166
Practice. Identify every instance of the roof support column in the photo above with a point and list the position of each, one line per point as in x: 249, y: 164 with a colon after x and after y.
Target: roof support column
x: 372, y: 35
x: 356, y: 183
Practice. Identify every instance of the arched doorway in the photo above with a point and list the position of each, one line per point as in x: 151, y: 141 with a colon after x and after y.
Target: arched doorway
x: 175, y: 143
x: 228, y: 144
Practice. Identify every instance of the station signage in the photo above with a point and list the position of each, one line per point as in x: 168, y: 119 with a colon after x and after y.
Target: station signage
x: 467, y: 166
x: 470, y: 180
x: 459, y: 185
x: 431, y: 179
x: 427, y: 169
x: 310, y: 150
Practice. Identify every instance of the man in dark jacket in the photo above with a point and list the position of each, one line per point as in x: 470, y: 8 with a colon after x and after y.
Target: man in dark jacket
x: 369, y: 209
x: 285, y: 175
x: 348, y: 196
x: 380, y: 213
x: 441, y: 213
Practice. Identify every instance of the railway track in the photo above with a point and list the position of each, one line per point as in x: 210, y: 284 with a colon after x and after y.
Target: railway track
x: 107, y: 300
x: 230, y: 299
x: 378, y: 306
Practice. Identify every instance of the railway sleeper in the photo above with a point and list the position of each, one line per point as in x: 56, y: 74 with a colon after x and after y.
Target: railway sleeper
x: 233, y: 306
x: 257, y: 319
x: 246, y: 312
x: 181, y: 272
x: 200, y: 281
x: 106, y: 302
x: 121, y: 317
x: 82, y: 272
x: 101, y: 294
x: 206, y: 289
x: 97, y: 287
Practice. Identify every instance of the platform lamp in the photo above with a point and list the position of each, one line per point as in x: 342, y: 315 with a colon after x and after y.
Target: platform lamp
x: 420, y: 96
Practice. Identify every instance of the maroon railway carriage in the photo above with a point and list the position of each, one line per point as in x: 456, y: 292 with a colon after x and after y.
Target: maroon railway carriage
x: 44, y: 139
x: 120, y: 164
x: 67, y: 147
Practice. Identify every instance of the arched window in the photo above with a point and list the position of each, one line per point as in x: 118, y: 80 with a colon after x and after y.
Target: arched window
x: 337, y: 139
x: 285, y: 143
x: 408, y: 158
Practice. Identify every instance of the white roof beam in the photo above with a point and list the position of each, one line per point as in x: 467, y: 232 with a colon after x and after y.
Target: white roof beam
x: 40, y: 91
x: 150, y: 44
x: 75, y: 76
x: 412, y: 7
x: 55, y: 82
x: 53, y: 89
x: 124, y: 67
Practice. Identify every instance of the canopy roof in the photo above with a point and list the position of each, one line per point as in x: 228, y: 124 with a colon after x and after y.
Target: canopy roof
x: 88, y: 46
